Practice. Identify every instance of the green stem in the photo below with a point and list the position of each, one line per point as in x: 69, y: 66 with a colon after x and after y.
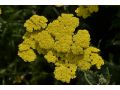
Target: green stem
x: 55, y: 10
x: 87, y: 79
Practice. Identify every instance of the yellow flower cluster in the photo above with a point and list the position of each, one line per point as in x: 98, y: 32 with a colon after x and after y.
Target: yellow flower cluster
x: 60, y: 45
x: 33, y: 26
x: 35, y: 23
x: 91, y: 57
x: 50, y: 57
x: 86, y: 11
x: 65, y: 72
x: 26, y: 50
x: 27, y: 55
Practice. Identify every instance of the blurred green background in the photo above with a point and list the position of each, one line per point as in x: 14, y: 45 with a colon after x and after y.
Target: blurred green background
x: 103, y: 26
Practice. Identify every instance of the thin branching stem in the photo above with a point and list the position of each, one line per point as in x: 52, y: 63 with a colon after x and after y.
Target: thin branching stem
x: 87, y: 79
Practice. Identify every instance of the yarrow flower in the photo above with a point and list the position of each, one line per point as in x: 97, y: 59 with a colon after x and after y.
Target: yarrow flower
x: 59, y: 44
x: 65, y: 72
x: 50, y: 57
x: 27, y: 55
x: 86, y: 11
x: 35, y: 23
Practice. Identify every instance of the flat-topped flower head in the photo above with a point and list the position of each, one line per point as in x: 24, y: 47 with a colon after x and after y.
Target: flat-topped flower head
x: 65, y: 24
x: 36, y: 22
x: 69, y: 20
x: 50, y: 57
x: 82, y: 38
x: 93, y: 8
x: 60, y: 45
x: 45, y: 40
x: 27, y: 55
x: 65, y: 73
x: 63, y: 44
x: 23, y: 47
x: 86, y: 11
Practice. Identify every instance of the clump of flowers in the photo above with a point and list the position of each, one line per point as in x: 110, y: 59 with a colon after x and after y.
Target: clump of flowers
x: 86, y: 11
x: 60, y: 45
